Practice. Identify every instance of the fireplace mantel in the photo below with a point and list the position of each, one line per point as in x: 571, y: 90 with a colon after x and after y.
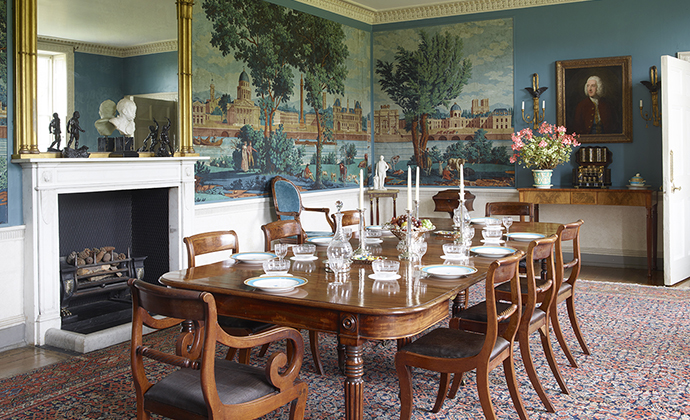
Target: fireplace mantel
x: 44, y: 179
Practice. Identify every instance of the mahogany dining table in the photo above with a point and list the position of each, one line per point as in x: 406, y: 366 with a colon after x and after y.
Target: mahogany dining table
x: 356, y: 309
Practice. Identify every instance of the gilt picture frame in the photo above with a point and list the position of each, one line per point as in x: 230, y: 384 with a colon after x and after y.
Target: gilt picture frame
x: 594, y: 98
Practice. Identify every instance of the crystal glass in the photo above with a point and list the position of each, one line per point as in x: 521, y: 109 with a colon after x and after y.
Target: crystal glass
x: 280, y: 250
x: 454, y: 251
x: 492, y: 235
x: 276, y: 267
x: 419, y: 248
x: 304, y: 251
x: 507, y: 222
x: 467, y: 235
x: 385, y: 268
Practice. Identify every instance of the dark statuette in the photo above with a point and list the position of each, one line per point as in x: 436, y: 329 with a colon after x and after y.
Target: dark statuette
x: 54, y: 129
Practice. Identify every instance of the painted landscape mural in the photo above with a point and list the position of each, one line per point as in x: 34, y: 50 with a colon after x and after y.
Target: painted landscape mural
x: 277, y: 92
x: 442, y: 96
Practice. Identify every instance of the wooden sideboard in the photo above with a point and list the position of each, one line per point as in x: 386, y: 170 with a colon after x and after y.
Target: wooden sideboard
x: 602, y: 197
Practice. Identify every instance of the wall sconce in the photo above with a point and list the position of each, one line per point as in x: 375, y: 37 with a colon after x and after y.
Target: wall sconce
x: 653, y: 85
x: 536, y: 92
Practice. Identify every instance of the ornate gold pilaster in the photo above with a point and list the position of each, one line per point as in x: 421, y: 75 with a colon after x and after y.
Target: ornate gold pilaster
x: 184, y: 78
x: 25, y: 46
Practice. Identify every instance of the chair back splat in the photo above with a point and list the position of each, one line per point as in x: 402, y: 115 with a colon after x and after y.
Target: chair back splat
x: 511, y: 208
x: 206, y: 387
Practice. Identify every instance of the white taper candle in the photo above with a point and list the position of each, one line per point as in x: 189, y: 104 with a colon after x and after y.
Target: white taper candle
x: 416, y: 194
x: 409, y: 188
x: 462, y: 182
x: 361, y: 189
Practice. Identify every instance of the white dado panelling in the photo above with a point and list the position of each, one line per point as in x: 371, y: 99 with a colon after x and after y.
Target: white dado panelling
x: 12, y: 278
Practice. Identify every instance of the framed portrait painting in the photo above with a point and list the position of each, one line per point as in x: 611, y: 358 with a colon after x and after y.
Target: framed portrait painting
x: 594, y: 98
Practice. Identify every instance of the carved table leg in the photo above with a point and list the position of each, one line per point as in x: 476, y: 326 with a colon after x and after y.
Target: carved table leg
x: 371, y: 209
x: 377, y: 211
x: 354, y: 384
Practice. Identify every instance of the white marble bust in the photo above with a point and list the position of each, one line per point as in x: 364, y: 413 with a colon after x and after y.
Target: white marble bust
x: 107, y: 111
x: 124, y: 122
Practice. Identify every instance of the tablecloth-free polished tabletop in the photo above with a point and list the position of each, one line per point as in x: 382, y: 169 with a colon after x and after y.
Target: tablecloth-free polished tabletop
x: 356, y: 309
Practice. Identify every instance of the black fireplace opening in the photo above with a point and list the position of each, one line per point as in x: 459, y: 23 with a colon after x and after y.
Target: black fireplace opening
x: 131, y: 226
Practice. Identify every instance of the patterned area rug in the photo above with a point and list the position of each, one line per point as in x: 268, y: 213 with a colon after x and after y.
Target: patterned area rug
x: 639, y: 369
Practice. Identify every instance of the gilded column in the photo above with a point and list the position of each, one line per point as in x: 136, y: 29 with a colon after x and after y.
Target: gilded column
x: 25, y: 46
x: 184, y: 77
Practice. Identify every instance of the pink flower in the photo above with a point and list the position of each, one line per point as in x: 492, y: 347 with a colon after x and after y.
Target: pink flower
x: 543, y: 143
x: 561, y: 129
x: 513, y: 159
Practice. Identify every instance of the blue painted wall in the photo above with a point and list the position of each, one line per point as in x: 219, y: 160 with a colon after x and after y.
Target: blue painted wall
x: 99, y: 77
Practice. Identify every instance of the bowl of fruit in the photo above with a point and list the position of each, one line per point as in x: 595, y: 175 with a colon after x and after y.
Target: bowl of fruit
x: 398, y: 226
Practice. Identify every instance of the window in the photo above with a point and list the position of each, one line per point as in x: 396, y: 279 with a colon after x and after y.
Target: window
x: 55, y: 91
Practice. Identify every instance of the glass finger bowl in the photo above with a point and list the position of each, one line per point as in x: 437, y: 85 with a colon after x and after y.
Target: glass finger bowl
x: 385, y: 268
x: 492, y: 235
x: 276, y: 267
x: 454, y: 251
x: 304, y: 251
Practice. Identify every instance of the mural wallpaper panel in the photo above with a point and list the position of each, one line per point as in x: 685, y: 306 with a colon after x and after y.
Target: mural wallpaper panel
x: 442, y: 95
x: 277, y: 92
x: 3, y: 112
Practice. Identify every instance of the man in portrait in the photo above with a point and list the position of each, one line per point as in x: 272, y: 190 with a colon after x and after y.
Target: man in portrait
x: 594, y: 114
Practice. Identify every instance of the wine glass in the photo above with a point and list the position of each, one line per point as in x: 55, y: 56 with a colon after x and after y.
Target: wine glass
x: 280, y: 250
x: 507, y: 222
x: 419, y: 248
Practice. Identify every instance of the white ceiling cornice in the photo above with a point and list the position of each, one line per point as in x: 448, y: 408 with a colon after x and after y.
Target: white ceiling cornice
x: 463, y: 7
x: 121, y: 52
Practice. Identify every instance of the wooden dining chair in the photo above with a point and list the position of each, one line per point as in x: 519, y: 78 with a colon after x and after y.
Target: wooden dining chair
x: 204, y: 386
x: 511, y: 208
x: 454, y: 350
x: 278, y: 230
x: 219, y: 241
x: 350, y: 218
x: 534, y: 318
x: 287, y: 202
x: 282, y: 229
x: 566, y: 288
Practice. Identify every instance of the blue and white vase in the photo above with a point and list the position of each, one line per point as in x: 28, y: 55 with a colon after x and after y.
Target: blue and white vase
x: 542, y: 178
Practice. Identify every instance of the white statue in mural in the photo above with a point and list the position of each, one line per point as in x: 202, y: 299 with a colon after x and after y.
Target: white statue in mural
x: 380, y: 178
x: 107, y: 111
x: 124, y: 122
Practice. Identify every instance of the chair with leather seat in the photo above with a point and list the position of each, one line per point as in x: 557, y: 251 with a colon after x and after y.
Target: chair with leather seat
x: 220, y: 241
x: 278, y: 230
x: 534, y: 318
x: 287, y: 202
x: 455, y: 351
x: 511, y: 208
x: 566, y: 288
x: 204, y: 386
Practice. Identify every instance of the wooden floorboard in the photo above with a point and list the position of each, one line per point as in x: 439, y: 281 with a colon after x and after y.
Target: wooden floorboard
x: 25, y: 359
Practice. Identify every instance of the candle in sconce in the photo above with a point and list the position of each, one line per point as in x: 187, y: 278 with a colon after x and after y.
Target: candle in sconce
x: 640, y: 103
x: 409, y: 188
x: 543, y: 105
x: 361, y: 189
x: 523, y: 105
x: 416, y: 195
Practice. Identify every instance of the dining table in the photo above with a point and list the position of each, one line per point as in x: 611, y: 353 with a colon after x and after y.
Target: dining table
x: 354, y: 306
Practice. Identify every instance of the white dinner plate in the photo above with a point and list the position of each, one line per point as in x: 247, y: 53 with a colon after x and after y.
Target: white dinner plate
x: 310, y: 258
x: 276, y: 284
x: 254, y: 257
x: 453, y: 257
x: 391, y: 276
x: 524, y: 236
x: 373, y: 240
x: 492, y: 241
x: 447, y: 271
x: 483, y: 220
x: 492, y: 251
x: 320, y: 240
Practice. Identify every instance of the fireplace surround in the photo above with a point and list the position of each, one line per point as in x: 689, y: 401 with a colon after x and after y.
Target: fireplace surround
x: 45, y: 180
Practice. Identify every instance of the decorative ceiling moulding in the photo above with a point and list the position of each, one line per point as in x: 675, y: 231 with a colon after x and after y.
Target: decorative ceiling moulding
x: 120, y: 52
x: 464, y: 7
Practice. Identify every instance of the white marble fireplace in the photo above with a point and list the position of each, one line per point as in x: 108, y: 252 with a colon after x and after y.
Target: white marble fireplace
x: 45, y: 179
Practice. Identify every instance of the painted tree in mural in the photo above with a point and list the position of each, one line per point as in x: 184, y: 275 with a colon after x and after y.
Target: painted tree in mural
x: 420, y: 81
x: 256, y: 33
x: 319, y: 53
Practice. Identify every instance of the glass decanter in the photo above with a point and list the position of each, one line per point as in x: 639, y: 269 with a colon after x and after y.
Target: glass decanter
x: 339, y: 250
x: 461, y: 216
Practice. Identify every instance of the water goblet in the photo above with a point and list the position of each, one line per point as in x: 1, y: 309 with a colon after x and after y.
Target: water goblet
x: 280, y: 250
x: 419, y: 248
x: 507, y: 222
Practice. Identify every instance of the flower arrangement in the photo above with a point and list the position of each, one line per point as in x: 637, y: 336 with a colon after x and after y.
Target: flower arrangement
x: 550, y: 147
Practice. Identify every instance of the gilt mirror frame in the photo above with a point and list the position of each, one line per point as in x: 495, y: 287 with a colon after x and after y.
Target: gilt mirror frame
x: 25, y: 73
